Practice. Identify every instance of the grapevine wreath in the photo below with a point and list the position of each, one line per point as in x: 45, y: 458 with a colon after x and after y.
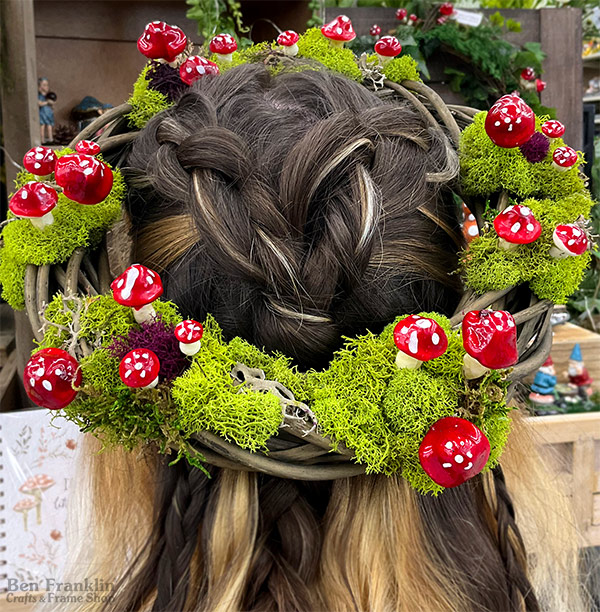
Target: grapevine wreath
x: 426, y: 398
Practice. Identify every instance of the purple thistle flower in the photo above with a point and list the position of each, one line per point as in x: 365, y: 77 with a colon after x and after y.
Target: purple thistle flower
x: 157, y: 336
x: 536, y: 148
x: 166, y: 80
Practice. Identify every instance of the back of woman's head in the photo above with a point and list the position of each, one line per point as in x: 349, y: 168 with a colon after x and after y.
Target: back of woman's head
x: 294, y: 208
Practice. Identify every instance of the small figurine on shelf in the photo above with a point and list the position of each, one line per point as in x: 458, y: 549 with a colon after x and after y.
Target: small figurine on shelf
x: 46, y: 100
x: 579, y: 377
x: 542, y: 388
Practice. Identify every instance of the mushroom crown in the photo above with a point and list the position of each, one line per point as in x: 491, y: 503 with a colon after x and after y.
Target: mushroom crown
x: 516, y: 224
x: 89, y: 147
x: 453, y: 450
x: 510, y: 122
x: 196, y: 67
x: 565, y: 157
x: 40, y: 161
x: 571, y: 238
x: 137, y: 286
x: 288, y: 38
x: 84, y: 178
x: 388, y: 46
x: 401, y: 14
x: 528, y: 74
x: 553, y: 128
x: 34, y: 483
x: 189, y: 331
x: 413, y: 17
x: 25, y: 504
x: 49, y: 378
x: 490, y: 336
x: 33, y: 200
x: 139, y: 368
x: 374, y: 30
x: 420, y: 338
x: 540, y: 85
x: 339, y: 29
x: 223, y: 44
x: 161, y: 41
x: 446, y: 9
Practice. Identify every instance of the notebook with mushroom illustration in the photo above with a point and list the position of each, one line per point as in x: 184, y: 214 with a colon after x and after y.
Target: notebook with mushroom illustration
x: 36, y: 468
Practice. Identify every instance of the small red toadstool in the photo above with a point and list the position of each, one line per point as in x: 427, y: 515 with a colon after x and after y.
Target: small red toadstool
x: 540, y: 85
x: 413, y: 18
x: 418, y: 339
x: 339, y: 31
x: 374, y: 30
x: 528, y: 74
x: 161, y: 41
x: 553, y: 129
x: 516, y: 225
x: 84, y: 178
x: 223, y: 46
x: 189, y: 333
x: 138, y: 287
x: 570, y: 240
x: 510, y: 122
x: 89, y: 147
x: 453, y: 450
x: 139, y: 369
x: 195, y: 67
x: 34, y: 201
x: 50, y: 378
x: 288, y: 42
x: 490, y: 340
x: 401, y: 14
x: 387, y: 47
x: 446, y: 9
x: 564, y: 158
x: 40, y: 161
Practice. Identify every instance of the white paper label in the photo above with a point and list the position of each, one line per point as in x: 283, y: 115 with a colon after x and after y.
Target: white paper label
x: 467, y: 17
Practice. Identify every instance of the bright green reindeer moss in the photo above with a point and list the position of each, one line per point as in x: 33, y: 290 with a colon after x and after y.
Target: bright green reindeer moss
x: 145, y: 101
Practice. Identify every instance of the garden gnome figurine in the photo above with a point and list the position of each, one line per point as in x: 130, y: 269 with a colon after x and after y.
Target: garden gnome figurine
x: 45, y: 102
x: 579, y: 377
x: 542, y: 388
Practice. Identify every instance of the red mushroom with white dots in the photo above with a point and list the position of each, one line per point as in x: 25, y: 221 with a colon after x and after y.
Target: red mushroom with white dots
x: 51, y: 378
x: 490, y: 342
x: 40, y: 161
x: 570, y: 240
x: 223, y: 46
x: 195, y: 67
x: 553, y: 129
x: 138, y: 287
x: 401, y: 15
x: 510, y: 122
x: 540, y: 85
x: 161, y: 41
x: 418, y: 339
x: 339, y: 31
x: 189, y: 333
x: 88, y: 147
x: 375, y: 30
x: 83, y: 178
x: 139, y: 369
x: 516, y: 225
x: 564, y: 158
x: 34, y: 201
x: 288, y: 42
x: 387, y: 48
x: 453, y: 451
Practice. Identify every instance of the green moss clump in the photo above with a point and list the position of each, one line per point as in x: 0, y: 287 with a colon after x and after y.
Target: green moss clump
x: 207, y: 399
x: 486, y: 267
x: 75, y: 225
x: 402, y: 68
x: 313, y: 45
x: 100, y: 370
x: 145, y: 102
x: 487, y: 168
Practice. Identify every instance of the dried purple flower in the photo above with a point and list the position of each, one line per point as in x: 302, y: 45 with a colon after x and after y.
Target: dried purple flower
x: 159, y: 337
x: 536, y: 148
x: 166, y: 80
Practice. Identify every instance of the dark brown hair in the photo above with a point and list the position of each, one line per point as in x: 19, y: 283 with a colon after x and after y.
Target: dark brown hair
x: 297, y: 209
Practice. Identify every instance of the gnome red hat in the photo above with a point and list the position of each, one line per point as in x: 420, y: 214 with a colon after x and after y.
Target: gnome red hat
x: 548, y: 362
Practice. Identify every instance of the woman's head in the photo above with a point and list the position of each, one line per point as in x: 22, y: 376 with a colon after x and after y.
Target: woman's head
x: 294, y: 208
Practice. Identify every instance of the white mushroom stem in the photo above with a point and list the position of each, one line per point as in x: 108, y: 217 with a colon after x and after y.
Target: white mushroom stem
x: 225, y: 57
x: 406, y: 361
x: 290, y: 51
x: 560, y: 168
x: 472, y: 368
x: 527, y: 85
x: 189, y: 349
x: 506, y: 245
x: 152, y: 384
x: 144, y: 314
x: 42, y: 222
x: 559, y: 252
x: 383, y: 59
